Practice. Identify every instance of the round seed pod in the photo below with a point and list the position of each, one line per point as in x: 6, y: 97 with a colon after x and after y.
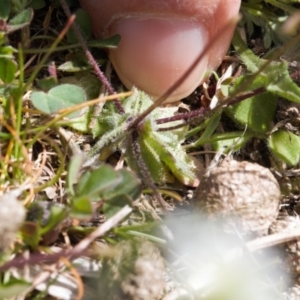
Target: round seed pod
x: 242, y: 194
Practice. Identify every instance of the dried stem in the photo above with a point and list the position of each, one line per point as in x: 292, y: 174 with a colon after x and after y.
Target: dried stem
x: 191, y: 117
x: 79, y: 249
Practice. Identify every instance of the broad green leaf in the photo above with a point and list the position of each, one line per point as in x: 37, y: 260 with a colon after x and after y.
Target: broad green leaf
x: 21, y: 20
x: 112, y: 206
x: 281, y: 84
x: 285, y: 146
x: 18, y: 6
x: 8, y: 68
x: 46, y: 83
x: 81, y: 208
x: 257, y: 112
x: 90, y: 83
x: 129, y: 187
x: 59, y: 97
x: 115, y: 188
x: 93, y: 184
x: 4, y: 9
x: 251, y: 61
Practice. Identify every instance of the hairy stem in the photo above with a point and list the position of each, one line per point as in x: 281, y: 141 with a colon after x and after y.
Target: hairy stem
x: 143, y: 168
x: 91, y: 59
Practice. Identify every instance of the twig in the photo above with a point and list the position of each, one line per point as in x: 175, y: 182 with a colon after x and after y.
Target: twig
x: 20, y: 261
x: 273, y: 240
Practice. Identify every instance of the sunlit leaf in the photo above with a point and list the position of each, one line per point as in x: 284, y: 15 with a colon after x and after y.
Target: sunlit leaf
x: 285, y: 146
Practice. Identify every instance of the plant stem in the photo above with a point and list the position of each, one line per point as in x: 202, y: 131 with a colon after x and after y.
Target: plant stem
x: 91, y: 59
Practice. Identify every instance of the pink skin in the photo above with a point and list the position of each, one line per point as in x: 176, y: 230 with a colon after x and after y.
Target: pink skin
x: 162, y: 38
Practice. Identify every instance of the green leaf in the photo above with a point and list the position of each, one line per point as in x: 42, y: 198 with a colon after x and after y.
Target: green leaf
x: 46, y: 83
x: 13, y: 288
x: 4, y: 9
x: 231, y: 141
x: 74, y: 168
x: 281, y: 84
x: 90, y: 83
x: 8, y: 68
x: 81, y: 208
x: 57, y: 215
x: 84, y: 23
x: 21, y: 20
x: 93, y: 184
x: 285, y: 146
x: 160, y: 150
x: 37, y: 4
x: 274, y: 78
x: 18, y: 5
x: 129, y: 187
x: 115, y: 188
x: 211, y: 126
x: 59, y: 97
x: 74, y: 65
x: 114, y: 205
x: 7, y: 52
x: 257, y: 112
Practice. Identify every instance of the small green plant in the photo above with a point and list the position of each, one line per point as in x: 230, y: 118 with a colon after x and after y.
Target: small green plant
x: 267, y: 81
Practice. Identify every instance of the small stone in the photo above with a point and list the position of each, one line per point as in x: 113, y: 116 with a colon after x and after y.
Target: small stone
x: 245, y: 195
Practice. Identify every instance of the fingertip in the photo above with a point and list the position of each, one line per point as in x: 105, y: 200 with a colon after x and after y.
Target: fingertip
x: 155, y: 53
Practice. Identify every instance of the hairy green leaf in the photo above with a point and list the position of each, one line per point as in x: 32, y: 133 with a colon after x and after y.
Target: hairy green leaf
x: 285, y: 146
